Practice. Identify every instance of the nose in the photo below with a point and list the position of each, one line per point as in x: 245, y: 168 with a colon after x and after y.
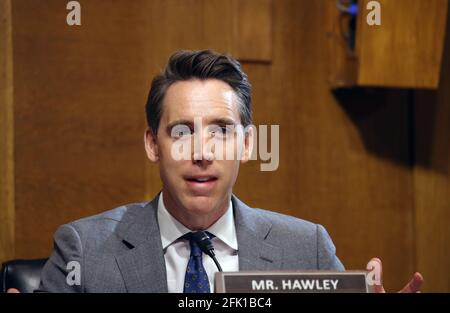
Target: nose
x: 202, y: 153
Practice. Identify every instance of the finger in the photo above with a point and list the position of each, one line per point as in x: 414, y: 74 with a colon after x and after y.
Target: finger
x: 414, y: 284
x: 12, y: 290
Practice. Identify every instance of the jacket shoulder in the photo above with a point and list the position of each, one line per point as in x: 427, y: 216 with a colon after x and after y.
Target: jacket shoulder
x: 107, y: 219
x: 101, y: 231
x: 305, y: 245
x: 287, y: 222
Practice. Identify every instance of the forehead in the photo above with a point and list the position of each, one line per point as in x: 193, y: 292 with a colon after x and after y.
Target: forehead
x: 209, y: 99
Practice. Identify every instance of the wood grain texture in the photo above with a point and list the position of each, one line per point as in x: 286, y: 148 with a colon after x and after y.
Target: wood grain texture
x: 406, y: 49
x: 252, y: 32
x: 6, y: 135
x: 79, y: 103
x: 343, y: 67
x: 432, y: 197
x: 432, y: 181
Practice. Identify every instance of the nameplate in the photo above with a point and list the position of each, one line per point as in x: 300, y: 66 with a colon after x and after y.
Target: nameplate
x: 292, y: 282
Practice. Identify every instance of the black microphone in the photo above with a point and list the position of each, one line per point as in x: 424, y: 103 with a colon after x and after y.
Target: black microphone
x: 204, y: 242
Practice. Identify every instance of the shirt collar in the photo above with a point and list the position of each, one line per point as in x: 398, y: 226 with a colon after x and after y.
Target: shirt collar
x: 171, y: 229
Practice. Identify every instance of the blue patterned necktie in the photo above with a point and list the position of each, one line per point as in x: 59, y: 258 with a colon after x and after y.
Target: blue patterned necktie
x: 196, y: 278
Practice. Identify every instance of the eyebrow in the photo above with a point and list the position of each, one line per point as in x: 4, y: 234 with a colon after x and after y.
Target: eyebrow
x: 171, y: 125
x: 223, y: 121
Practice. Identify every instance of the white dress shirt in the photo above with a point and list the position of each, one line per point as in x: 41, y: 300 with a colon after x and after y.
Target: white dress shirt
x: 177, y: 252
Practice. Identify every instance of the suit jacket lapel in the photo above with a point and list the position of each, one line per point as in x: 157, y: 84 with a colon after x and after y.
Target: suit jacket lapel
x: 142, y: 265
x: 252, y: 230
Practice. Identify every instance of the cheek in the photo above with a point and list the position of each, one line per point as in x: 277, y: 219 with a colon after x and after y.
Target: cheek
x: 231, y: 169
x: 165, y: 154
x: 169, y: 168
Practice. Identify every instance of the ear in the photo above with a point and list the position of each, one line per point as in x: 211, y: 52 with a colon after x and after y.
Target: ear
x: 151, y: 146
x: 248, y: 144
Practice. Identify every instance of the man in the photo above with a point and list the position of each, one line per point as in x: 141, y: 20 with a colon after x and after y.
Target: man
x: 201, y: 98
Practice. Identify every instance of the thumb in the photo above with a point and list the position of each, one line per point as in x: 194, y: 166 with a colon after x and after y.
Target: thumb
x: 414, y: 284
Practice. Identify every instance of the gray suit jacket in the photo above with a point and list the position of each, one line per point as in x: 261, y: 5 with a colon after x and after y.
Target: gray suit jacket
x: 121, y: 251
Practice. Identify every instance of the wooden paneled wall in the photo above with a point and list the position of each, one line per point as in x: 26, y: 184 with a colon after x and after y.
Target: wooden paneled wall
x: 412, y: 32
x: 432, y: 180
x: 78, y: 112
x: 6, y: 135
x: 79, y: 96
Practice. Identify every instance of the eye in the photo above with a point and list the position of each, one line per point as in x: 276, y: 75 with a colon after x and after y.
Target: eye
x: 221, y: 131
x: 180, y: 131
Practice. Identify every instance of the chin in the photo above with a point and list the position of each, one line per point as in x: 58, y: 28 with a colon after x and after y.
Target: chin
x: 201, y: 205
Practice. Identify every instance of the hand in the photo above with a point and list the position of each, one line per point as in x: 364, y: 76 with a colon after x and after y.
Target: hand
x: 413, y: 286
x: 12, y: 290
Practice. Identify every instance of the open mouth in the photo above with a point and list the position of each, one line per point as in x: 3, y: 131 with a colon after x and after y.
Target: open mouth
x: 201, y: 179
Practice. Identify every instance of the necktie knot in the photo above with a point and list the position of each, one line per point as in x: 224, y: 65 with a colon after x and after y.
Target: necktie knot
x: 193, y: 237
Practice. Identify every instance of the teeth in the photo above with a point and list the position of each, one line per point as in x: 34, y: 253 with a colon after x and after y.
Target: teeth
x: 202, y: 179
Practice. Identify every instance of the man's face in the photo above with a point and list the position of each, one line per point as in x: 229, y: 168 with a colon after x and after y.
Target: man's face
x: 197, y: 189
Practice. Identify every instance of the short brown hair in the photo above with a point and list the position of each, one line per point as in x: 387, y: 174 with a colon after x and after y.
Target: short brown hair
x: 204, y: 64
